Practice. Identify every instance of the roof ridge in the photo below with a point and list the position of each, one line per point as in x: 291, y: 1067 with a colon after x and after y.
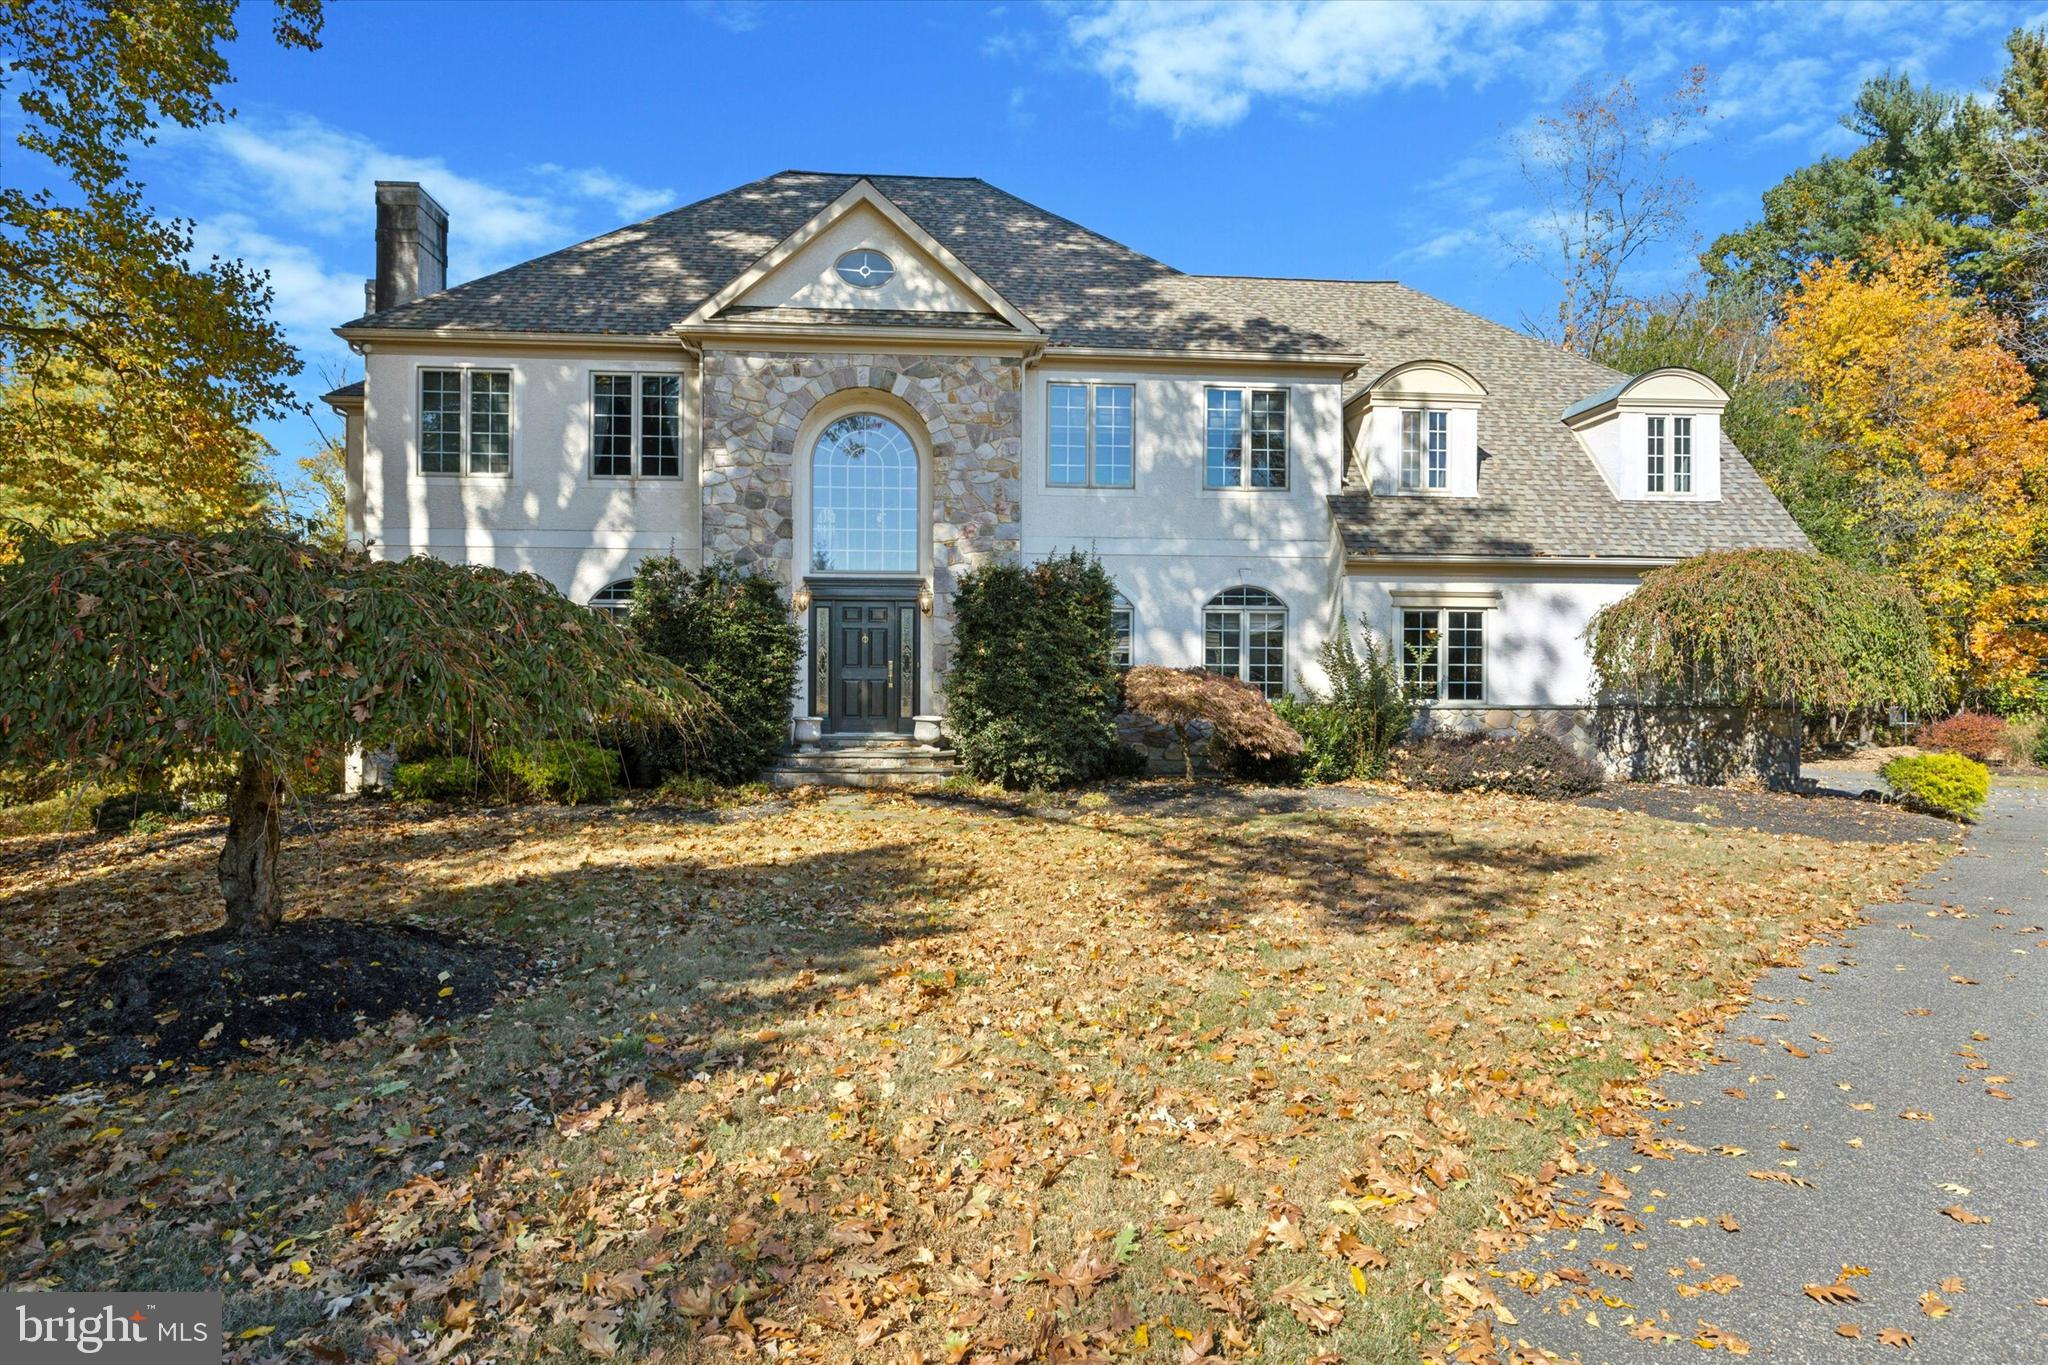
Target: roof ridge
x: 1062, y: 218
x: 1291, y: 279
x: 871, y: 175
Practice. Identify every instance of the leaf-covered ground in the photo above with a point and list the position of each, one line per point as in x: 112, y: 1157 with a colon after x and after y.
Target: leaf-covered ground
x: 864, y: 1078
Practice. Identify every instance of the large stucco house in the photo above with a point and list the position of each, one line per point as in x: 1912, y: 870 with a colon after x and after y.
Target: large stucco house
x: 864, y: 385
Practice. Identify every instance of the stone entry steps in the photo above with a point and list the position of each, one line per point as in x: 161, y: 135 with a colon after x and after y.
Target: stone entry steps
x: 864, y: 762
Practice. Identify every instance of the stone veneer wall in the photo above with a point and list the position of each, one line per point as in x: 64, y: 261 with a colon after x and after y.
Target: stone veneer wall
x: 1704, y: 745
x: 973, y: 410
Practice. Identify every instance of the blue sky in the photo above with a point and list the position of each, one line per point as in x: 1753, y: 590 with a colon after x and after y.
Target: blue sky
x: 1346, y: 140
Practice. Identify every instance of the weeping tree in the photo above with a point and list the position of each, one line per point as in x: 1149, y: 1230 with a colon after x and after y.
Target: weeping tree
x: 129, y: 653
x: 1766, y: 628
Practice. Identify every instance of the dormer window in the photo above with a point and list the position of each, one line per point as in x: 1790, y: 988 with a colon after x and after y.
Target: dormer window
x: 1426, y: 451
x: 1669, y: 451
x: 1656, y: 436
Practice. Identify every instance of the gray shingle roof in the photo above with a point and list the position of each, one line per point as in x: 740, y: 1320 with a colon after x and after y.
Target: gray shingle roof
x: 1540, y: 493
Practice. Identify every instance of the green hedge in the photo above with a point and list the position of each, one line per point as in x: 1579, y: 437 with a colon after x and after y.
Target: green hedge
x: 448, y: 778
x: 732, y: 632
x: 1941, y: 784
x: 564, y: 770
x: 1031, y: 694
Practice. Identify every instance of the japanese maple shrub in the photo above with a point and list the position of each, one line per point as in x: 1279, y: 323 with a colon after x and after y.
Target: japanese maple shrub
x: 1243, y: 730
x: 731, y: 631
x: 142, y: 650
x: 1973, y: 734
x: 1031, y: 694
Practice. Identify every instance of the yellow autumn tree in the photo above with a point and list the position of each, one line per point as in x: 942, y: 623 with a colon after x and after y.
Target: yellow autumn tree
x: 1911, y: 389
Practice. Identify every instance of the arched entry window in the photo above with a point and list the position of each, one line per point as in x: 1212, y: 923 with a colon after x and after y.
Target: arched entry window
x: 614, y: 599
x: 864, y: 497
x: 1244, y: 635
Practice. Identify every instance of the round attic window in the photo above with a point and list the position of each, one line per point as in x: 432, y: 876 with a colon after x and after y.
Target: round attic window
x: 866, y: 269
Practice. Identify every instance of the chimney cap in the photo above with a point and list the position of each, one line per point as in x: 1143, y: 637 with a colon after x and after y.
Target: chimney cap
x: 410, y: 192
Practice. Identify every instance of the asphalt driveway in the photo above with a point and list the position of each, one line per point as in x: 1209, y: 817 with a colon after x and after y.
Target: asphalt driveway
x: 1874, y: 1129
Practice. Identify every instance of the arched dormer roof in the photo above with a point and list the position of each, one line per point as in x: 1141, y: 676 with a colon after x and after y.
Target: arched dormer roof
x: 1672, y: 386
x: 1426, y: 379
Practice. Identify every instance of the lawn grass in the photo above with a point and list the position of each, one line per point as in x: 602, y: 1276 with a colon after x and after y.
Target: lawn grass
x: 862, y: 1078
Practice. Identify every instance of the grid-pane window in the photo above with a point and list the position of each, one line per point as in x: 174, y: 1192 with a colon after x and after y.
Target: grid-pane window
x: 1225, y: 455
x: 1120, y: 621
x: 1411, y: 450
x: 864, y: 497
x: 1112, y: 430
x: 1421, y: 661
x: 1681, y: 454
x: 490, y: 422
x: 1425, y: 450
x: 1067, y: 421
x: 440, y: 421
x: 1654, y: 452
x: 1244, y: 635
x: 1464, y: 656
x: 611, y: 425
x: 661, y: 426
x: 1443, y: 654
x: 1438, y: 452
x: 1269, y: 438
x: 614, y: 599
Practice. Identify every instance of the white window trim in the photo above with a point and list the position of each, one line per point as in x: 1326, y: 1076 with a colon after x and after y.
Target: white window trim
x: 617, y: 614
x: 1422, y: 489
x: 1089, y: 484
x: 1690, y: 493
x: 636, y: 459
x: 1245, y: 392
x: 419, y: 422
x: 1440, y: 604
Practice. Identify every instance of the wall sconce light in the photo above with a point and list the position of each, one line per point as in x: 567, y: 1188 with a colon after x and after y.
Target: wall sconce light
x: 924, y: 598
x: 800, y: 600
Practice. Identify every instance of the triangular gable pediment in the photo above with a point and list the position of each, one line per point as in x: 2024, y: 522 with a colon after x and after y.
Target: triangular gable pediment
x: 801, y: 272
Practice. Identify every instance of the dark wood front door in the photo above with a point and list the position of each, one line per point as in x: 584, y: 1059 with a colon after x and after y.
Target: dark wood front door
x: 868, y: 667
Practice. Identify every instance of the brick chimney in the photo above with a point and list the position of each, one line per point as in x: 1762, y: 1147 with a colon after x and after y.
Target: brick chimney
x: 412, y: 245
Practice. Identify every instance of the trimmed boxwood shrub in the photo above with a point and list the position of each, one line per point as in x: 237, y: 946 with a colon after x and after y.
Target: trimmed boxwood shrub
x: 1031, y: 696
x: 731, y: 631
x: 1972, y: 734
x: 565, y: 770
x: 1940, y: 784
x: 1522, y: 765
x: 447, y: 778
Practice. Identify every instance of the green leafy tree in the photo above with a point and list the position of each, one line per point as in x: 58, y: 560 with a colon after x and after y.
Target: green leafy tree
x: 1765, y: 628
x: 128, y: 363
x: 323, y: 491
x: 132, y: 653
x: 1032, y: 692
x: 731, y: 631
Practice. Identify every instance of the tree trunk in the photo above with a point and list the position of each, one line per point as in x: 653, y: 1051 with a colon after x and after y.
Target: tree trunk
x: 248, y: 860
x: 1187, y: 750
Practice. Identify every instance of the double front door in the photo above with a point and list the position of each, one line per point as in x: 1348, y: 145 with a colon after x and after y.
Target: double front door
x: 869, y: 664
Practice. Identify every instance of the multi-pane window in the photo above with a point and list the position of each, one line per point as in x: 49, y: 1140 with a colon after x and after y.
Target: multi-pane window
x: 1089, y: 435
x: 1425, y: 450
x: 1246, y: 438
x: 864, y: 497
x: 1120, y: 632
x: 1443, y: 654
x: 614, y: 599
x: 465, y: 421
x: 1681, y: 454
x: 619, y: 425
x: 1244, y: 635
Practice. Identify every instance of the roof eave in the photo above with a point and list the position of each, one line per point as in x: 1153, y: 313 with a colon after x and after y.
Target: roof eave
x: 506, y: 337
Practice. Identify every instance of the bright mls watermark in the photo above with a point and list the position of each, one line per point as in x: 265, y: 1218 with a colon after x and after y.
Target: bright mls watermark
x: 163, y: 1329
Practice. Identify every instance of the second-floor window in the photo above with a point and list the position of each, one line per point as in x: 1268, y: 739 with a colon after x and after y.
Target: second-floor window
x: 1668, y: 451
x: 636, y: 415
x: 1425, y: 450
x: 465, y: 421
x: 1088, y: 435
x: 1246, y: 438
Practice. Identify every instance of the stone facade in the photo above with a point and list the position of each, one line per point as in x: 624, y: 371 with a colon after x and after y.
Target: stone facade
x: 972, y: 406
x: 1701, y: 745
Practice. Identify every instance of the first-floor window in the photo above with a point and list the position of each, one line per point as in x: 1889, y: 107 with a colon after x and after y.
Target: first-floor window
x: 636, y: 414
x: 614, y: 599
x: 1244, y: 635
x: 1120, y: 632
x: 465, y: 421
x: 1425, y: 450
x: 1443, y: 653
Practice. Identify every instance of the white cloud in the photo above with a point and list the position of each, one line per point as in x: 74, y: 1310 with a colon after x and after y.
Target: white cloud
x: 1203, y: 64
x: 628, y: 200
x: 307, y: 297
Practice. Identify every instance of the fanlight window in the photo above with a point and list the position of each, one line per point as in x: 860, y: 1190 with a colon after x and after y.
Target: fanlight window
x: 1244, y: 635
x: 864, y: 497
x: 614, y: 599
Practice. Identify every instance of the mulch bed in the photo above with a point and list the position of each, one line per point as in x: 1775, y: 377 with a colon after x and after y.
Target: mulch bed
x: 1833, y: 816
x: 215, y: 998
